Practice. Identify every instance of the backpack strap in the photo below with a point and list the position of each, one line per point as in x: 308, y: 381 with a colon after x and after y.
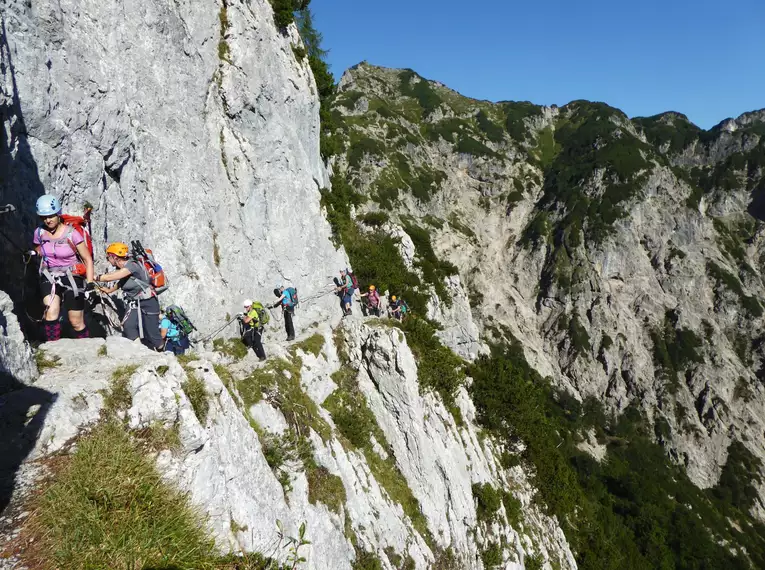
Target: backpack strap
x: 70, y: 241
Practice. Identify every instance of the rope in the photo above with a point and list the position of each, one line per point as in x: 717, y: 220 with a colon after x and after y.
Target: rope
x: 216, y: 332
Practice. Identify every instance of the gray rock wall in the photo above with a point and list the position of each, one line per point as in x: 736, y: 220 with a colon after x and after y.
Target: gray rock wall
x: 16, y: 362
x: 188, y: 125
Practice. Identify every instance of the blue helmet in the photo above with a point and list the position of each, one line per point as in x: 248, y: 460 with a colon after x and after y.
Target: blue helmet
x: 48, y: 205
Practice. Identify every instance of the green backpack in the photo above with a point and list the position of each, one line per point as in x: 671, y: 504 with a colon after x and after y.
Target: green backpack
x: 178, y: 317
x: 263, y: 315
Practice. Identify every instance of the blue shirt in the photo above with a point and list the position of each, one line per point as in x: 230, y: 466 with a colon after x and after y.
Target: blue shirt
x: 172, y: 331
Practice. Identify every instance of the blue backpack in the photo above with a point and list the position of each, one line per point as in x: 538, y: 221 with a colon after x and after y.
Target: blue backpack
x: 292, y: 297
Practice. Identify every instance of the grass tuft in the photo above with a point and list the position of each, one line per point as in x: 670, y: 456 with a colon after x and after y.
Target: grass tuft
x: 108, y: 508
x: 119, y: 398
x: 233, y: 347
x: 194, y: 387
x: 44, y: 362
x: 312, y: 344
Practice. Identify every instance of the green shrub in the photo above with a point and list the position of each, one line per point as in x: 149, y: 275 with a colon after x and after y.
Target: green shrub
x: 362, y: 148
x: 672, y: 129
x: 118, y: 396
x: 513, y: 509
x: 725, y: 279
x: 284, y: 13
x: 438, y: 368
x: 299, y: 52
x: 488, y: 501
x: 493, y: 132
x: 433, y: 270
x: 620, y: 513
x: 739, y: 478
x: 491, y: 555
x: 311, y: 345
x: 375, y: 219
x: 515, y: 113
x: 674, y: 349
x: 422, y: 90
x: 457, y: 224
x: 366, y: 561
x: 469, y: 145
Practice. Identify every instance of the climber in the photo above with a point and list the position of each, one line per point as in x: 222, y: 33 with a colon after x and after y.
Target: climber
x: 344, y: 287
x: 251, y: 327
x: 288, y: 301
x: 66, y: 266
x: 174, y: 338
x: 142, y: 317
x: 397, y: 308
x: 372, y: 301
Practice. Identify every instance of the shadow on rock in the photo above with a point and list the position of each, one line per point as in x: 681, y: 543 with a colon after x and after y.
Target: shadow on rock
x: 22, y: 415
x: 20, y: 186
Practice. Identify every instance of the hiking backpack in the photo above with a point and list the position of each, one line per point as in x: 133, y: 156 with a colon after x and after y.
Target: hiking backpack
x: 263, y: 315
x: 353, y: 280
x: 80, y: 225
x: 178, y: 317
x: 156, y: 274
x: 293, y: 294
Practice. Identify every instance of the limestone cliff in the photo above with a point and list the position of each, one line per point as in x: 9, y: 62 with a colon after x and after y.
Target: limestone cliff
x: 194, y: 127
x: 191, y: 126
x: 404, y: 472
x: 625, y: 255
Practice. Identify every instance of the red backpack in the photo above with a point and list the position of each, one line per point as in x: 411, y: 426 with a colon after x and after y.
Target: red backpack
x: 81, y: 225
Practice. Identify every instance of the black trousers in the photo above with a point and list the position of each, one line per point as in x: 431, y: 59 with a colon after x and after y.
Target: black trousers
x: 288, y: 323
x: 252, y: 338
x: 149, y: 316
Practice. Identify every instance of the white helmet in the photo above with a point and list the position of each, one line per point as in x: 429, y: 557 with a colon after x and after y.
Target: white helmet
x: 247, y: 303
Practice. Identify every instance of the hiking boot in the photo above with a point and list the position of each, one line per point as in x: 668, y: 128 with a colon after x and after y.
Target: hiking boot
x: 290, y: 338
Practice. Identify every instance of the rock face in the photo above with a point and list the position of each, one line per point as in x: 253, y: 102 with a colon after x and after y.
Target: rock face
x: 220, y: 457
x: 16, y: 363
x: 624, y: 255
x: 190, y: 126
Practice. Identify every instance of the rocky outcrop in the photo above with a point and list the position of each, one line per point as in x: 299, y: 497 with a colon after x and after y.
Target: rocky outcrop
x: 16, y: 362
x: 189, y: 126
x: 219, y: 458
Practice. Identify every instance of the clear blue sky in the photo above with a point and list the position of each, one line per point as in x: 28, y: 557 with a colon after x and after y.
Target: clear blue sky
x: 704, y: 58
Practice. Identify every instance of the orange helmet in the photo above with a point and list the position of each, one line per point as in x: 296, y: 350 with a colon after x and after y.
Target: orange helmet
x: 371, y: 287
x: 117, y: 248
x: 393, y: 298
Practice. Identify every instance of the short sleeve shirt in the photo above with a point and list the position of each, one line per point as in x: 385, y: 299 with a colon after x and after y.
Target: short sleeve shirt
x: 58, y: 252
x: 172, y: 331
x: 255, y: 322
x: 137, y: 282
